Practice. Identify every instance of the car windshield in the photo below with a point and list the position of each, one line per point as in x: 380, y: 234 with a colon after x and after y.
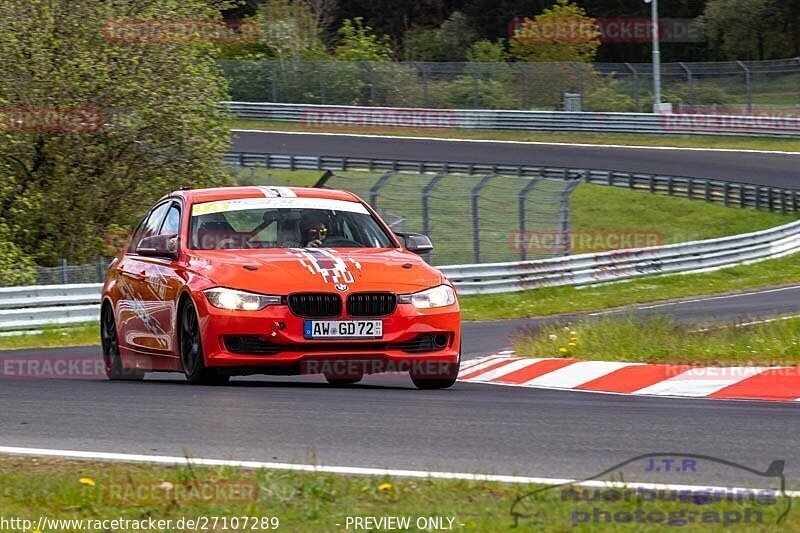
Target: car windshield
x: 284, y: 223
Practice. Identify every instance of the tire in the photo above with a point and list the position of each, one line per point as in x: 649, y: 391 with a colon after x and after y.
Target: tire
x: 111, y: 353
x: 442, y: 381
x: 191, y: 347
x: 341, y: 381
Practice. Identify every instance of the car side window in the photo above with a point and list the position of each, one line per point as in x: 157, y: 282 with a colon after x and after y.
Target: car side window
x: 172, y: 224
x: 150, y: 226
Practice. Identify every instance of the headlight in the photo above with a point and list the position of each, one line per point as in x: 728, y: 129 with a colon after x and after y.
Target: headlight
x: 239, y: 300
x: 440, y: 296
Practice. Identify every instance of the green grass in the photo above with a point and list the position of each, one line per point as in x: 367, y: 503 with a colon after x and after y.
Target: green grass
x: 597, y: 207
x: 312, y: 502
x: 662, y: 340
x: 626, y: 139
x: 555, y: 300
x: 54, y: 337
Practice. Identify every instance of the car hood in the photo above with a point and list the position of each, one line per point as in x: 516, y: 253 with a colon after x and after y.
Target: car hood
x: 284, y: 271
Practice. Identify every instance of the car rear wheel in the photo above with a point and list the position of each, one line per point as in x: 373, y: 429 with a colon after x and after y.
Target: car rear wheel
x: 194, y: 366
x: 111, y: 353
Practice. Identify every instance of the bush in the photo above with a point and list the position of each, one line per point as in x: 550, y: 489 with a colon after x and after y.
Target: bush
x: 608, y: 98
x: 16, y: 268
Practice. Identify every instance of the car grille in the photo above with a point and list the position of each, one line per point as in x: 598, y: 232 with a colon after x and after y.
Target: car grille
x: 371, y: 304
x: 315, y: 305
x: 256, y: 345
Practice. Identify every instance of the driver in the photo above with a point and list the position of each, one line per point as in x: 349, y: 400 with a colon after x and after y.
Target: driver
x: 313, y: 232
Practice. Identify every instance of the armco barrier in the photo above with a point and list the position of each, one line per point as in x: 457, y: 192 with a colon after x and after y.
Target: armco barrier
x: 716, y: 191
x: 30, y: 307
x: 318, y: 116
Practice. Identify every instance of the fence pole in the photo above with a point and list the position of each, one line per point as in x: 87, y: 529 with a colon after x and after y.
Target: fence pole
x: 523, y: 197
x: 564, y: 224
x: 101, y: 269
x: 690, y: 79
x: 476, y: 223
x: 321, y: 74
x: 748, y: 86
x: 526, y: 94
x: 476, y: 96
x: 426, y: 216
x: 424, y: 74
x: 371, y: 72
x: 274, y: 76
x: 64, y: 272
x: 635, y: 85
x: 373, y: 192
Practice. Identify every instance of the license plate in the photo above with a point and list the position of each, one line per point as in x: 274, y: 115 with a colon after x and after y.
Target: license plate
x: 343, y: 329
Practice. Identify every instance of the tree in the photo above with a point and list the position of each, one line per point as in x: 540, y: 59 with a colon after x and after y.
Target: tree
x: 358, y: 43
x: 746, y: 29
x: 291, y: 29
x: 486, y: 51
x: 95, y: 127
x: 562, y: 33
x: 449, y: 42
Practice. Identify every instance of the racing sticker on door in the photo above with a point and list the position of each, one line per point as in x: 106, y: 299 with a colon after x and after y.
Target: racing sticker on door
x: 332, y: 267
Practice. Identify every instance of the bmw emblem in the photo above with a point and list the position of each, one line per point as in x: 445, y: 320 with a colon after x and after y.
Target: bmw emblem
x: 341, y: 287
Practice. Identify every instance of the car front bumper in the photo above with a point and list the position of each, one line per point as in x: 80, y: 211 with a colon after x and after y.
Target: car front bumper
x: 280, y: 347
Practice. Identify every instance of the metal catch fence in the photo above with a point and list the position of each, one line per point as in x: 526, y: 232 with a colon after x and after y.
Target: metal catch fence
x: 607, y: 87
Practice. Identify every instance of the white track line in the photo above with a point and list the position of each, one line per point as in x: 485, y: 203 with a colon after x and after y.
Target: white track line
x: 695, y: 300
x: 534, y: 143
x: 351, y: 470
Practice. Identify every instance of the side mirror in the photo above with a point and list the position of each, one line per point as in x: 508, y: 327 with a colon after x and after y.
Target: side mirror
x: 159, y: 246
x: 416, y: 242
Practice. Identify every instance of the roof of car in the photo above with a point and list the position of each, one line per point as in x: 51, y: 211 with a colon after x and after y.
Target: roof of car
x: 230, y: 193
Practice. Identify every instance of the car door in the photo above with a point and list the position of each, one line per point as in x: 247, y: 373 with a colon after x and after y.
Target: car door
x: 162, y: 285
x: 137, y: 325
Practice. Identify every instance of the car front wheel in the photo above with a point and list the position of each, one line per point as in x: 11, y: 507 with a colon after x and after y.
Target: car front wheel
x: 444, y: 378
x: 194, y: 366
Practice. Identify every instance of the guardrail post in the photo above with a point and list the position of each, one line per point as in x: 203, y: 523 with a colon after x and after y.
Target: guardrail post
x: 652, y: 183
x: 748, y: 86
x: 758, y: 196
x: 522, y: 198
x: 706, y: 191
x: 373, y: 192
x: 726, y: 190
x: 770, y: 199
x: 783, y: 202
x: 742, y: 199
x: 476, y: 222
x: 635, y: 74
x: 424, y: 74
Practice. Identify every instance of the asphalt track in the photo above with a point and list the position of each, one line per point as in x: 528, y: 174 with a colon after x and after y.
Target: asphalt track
x: 385, y: 423
x: 775, y: 169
